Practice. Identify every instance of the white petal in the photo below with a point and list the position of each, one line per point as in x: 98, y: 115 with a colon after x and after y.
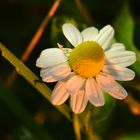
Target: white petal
x: 72, y: 34
x: 121, y: 58
x: 111, y: 87
x: 116, y: 47
x: 119, y: 73
x: 67, y: 51
x: 59, y: 94
x: 105, y: 36
x: 50, y: 57
x: 94, y: 93
x: 89, y: 34
x: 78, y: 101
x: 74, y: 84
x: 55, y: 73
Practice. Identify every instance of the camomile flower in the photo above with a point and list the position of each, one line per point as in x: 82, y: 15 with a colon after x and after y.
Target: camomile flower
x: 88, y: 70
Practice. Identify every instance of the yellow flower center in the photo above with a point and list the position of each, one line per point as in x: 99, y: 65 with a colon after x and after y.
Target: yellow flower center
x: 87, y: 59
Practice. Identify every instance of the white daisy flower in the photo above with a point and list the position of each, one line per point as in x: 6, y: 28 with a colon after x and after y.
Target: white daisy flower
x: 89, y: 69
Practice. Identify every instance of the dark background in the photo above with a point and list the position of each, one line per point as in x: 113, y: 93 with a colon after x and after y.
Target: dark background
x: 19, y: 20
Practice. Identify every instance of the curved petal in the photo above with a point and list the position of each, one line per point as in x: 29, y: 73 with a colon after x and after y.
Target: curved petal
x: 119, y: 73
x: 78, y: 101
x: 111, y: 87
x: 50, y: 57
x: 55, y: 73
x: 121, y: 58
x: 89, y: 34
x: 59, y: 94
x: 74, y: 84
x: 105, y: 36
x: 94, y: 93
x: 72, y: 34
x: 116, y: 47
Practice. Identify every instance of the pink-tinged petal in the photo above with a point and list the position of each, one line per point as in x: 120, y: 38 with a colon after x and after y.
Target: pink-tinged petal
x: 119, y: 73
x: 94, y: 93
x: 89, y: 34
x: 105, y: 36
x: 74, y: 84
x: 121, y: 58
x: 72, y: 34
x: 50, y: 57
x: 110, y: 86
x: 78, y: 101
x: 59, y: 94
x: 55, y: 73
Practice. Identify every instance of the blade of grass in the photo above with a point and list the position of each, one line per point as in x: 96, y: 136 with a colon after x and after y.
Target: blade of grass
x: 34, y: 40
x: 32, y: 78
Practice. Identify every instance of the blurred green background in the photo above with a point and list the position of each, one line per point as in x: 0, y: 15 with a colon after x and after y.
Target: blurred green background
x: 27, y: 115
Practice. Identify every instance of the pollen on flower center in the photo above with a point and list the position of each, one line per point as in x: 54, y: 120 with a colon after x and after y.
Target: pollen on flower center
x: 87, y: 59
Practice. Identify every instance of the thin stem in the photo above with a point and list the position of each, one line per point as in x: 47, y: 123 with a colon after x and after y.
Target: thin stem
x: 84, y: 12
x: 76, y: 126
x: 89, y: 128
x: 34, y: 40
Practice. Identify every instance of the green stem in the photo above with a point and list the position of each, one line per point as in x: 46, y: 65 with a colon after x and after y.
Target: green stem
x: 90, y: 134
x: 76, y: 126
x: 32, y: 78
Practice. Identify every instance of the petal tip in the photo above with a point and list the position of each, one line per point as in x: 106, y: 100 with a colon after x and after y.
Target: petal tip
x: 124, y: 96
x: 99, y: 104
x: 72, y: 34
x: 66, y: 25
x: 55, y: 102
x: 77, y: 111
x: 109, y: 27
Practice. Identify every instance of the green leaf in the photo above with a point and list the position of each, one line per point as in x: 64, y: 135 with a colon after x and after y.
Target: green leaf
x: 124, y: 29
x: 32, y: 78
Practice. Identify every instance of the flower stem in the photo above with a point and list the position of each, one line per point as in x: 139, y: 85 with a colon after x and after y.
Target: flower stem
x: 89, y: 128
x: 32, y: 78
x: 76, y: 126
